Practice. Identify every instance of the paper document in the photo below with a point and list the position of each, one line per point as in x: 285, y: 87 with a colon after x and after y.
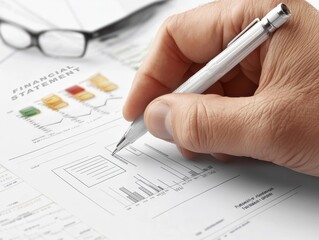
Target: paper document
x: 60, y: 121
x: 27, y: 214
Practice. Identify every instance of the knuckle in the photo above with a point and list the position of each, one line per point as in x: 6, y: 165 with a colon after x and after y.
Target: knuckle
x: 171, y: 22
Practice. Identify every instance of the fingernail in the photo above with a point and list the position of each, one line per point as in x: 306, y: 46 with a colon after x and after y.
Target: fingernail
x: 159, y: 120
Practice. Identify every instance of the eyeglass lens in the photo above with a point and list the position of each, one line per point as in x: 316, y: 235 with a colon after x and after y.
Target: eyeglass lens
x: 15, y: 36
x: 62, y: 43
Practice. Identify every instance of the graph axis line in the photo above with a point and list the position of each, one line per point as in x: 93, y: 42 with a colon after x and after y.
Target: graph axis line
x: 211, y: 188
x: 108, y: 211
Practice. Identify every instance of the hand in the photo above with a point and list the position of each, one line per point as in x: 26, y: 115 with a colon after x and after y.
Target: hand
x: 266, y: 108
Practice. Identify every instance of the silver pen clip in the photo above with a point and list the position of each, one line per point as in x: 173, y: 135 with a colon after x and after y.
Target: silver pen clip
x: 243, y: 32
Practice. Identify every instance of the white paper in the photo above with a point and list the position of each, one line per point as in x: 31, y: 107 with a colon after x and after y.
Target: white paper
x: 27, y: 214
x: 147, y: 191
x: 179, y: 199
x: 315, y: 3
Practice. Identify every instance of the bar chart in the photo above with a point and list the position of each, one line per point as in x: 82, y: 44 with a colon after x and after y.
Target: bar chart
x: 133, y: 178
x: 90, y: 101
x: 175, y: 173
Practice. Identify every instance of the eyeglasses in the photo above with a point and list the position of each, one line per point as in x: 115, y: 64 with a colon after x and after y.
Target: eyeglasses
x: 53, y: 43
x: 63, y: 42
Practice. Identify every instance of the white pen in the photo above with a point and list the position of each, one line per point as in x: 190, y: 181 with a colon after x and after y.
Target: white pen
x: 240, y: 47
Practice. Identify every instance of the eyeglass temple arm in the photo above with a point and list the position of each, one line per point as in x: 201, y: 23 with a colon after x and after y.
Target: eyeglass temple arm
x: 133, y: 19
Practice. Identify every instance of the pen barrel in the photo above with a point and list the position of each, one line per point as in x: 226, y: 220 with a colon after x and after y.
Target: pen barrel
x: 225, y: 61
x: 136, y: 130
x: 244, y: 44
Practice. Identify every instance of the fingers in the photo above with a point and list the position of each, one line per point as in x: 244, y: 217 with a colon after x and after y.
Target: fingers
x: 195, y: 36
x: 278, y: 123
x: 207, y: 123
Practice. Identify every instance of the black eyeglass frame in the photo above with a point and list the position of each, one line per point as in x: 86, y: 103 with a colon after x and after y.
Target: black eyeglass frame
x: 35, y: 36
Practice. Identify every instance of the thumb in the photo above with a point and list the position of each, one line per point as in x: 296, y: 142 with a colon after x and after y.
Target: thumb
x: 208, y: 123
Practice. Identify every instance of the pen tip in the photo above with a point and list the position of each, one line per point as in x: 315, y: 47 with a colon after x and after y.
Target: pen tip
x: 115, y: 151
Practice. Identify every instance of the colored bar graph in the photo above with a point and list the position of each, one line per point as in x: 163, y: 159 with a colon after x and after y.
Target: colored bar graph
x: 29, y: 111
x: 101, y: 82
x: 75, y: 89
x: 54, y: 102
x: 79, y: 93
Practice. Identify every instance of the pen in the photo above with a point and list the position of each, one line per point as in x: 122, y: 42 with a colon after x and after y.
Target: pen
x: 240, y: 47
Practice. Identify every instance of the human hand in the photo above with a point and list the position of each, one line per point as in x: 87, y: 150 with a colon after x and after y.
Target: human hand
x: 266, y: 108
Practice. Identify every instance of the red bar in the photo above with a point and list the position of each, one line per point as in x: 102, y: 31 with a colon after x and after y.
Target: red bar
x: 75, y: 90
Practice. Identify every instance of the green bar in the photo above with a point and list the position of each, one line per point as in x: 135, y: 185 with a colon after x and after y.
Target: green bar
x: 29, y: 111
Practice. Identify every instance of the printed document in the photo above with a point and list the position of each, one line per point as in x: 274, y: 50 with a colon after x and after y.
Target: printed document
x: 60, y: 121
